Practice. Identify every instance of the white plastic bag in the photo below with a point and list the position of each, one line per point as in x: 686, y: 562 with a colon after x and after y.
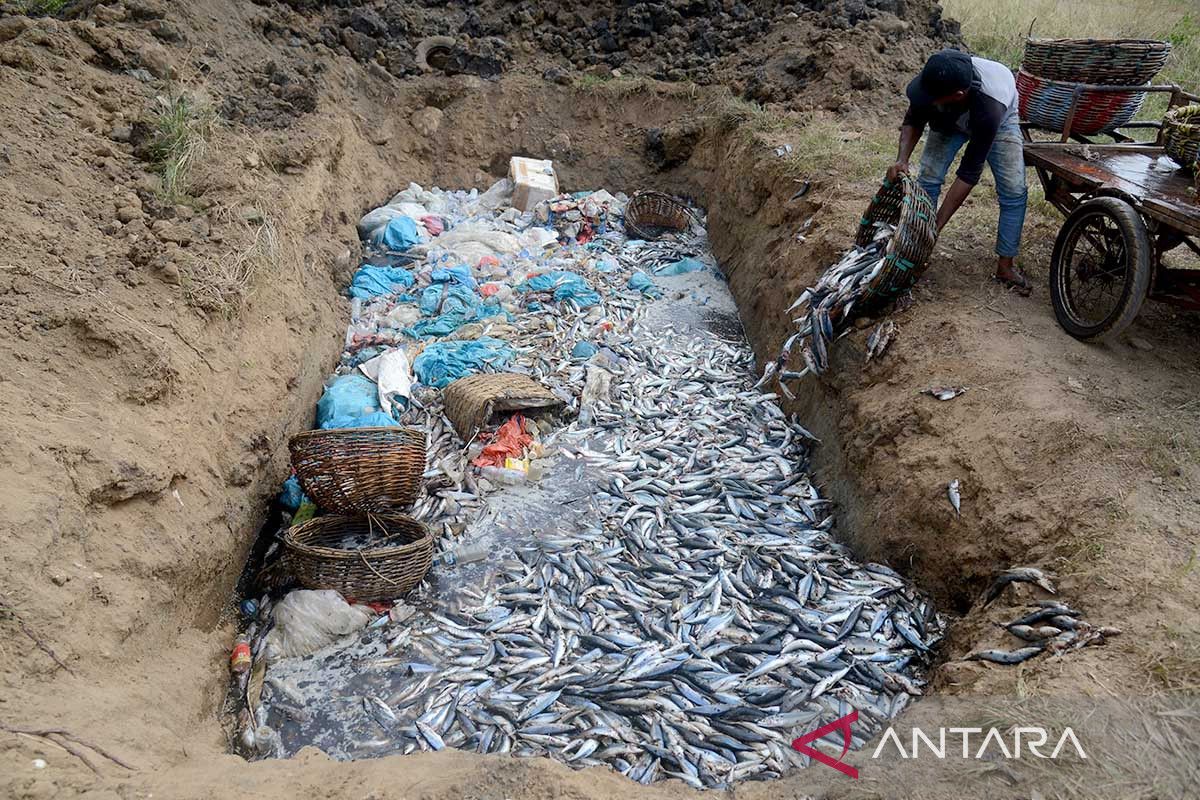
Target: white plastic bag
x: 308, y: 619
x: 392, y: 373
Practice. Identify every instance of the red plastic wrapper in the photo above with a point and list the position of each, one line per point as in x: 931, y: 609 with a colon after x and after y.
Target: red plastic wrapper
x: 509, y: 441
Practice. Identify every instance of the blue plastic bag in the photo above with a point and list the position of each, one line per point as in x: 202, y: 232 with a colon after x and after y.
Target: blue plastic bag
x: 347, y: 401
x: 398, y: 235
x: 371, y: 281
x: 583, y: 351
x: 442, y: 363
x: 565, y: 285
x: 685, y: 264
x: 450, y: 306
x: 642, y: 283
x: 292, y: 495
x: 460, y: 274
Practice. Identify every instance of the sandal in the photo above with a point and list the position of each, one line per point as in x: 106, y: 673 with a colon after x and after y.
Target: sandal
x: 1019, y: 284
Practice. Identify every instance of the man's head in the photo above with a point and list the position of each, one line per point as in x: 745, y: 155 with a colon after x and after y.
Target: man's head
x: 945, y: 80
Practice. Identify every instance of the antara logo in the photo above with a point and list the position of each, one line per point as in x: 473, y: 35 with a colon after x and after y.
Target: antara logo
x: 992, y: 742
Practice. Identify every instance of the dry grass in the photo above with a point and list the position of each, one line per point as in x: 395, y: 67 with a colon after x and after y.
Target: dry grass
x: 1176, y: 666
x: 33, y: 8
x: 223, y: 284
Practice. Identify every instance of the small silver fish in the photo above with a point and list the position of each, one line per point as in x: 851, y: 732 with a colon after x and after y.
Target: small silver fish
x: 955, y: 498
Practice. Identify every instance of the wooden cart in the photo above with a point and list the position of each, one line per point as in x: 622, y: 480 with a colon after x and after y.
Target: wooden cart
x: 1127, y: 205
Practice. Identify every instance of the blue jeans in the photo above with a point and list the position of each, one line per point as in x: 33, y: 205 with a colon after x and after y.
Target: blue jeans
x: 1007, y: 162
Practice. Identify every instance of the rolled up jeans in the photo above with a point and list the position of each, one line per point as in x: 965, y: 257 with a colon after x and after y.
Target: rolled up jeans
x: 1007, y: 162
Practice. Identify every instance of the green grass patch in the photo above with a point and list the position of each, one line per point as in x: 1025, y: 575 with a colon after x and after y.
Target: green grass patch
x: 182, y: 127
x: 33, y: 8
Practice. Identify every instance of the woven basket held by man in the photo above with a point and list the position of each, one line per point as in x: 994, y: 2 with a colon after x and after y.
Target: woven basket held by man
x: 967, y: 100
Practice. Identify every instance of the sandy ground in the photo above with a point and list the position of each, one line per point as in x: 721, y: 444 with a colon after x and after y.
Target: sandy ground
x: 142, y: 431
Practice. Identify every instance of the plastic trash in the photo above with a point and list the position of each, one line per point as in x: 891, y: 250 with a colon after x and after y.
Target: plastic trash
x: 583, y: 350
x: 308, y: 619
x: 597, y: 388
x: 565, y: 286
x: 502, y: 476
x: 460, y: 274
x: 507, y: 443
x: 435, y: 225
x: 683, y: 265
x: 240, y: 659
x: 392, y: 375
x: 292, y: 495
x: 641, y: 282
x: 371, y: 281
x: 498, y: 194
x: 351, y: 401
x: 451, y: 305
x: 398, y: 235
x: 441, y: 363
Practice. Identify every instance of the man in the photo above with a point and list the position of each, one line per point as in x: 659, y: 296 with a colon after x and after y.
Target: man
x: 969, y: 100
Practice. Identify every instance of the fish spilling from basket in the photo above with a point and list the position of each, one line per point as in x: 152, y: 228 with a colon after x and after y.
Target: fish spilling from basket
x: 665, y: 599
x: 890, y: 252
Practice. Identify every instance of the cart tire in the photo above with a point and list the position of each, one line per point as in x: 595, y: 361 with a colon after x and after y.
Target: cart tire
x: 1131, y: 264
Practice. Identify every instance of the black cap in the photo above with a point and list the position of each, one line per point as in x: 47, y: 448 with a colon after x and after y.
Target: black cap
x: 945, y: 73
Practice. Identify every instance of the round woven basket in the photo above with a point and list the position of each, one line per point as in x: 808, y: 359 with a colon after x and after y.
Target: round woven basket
x: 471, y: 402
x: 1113, y: 62
x: 908, y: 207
x: 349, y: 470
x: 394, y: 554
x: 1046, y: 103
x: 649, y: 215
x: 1181, y: 134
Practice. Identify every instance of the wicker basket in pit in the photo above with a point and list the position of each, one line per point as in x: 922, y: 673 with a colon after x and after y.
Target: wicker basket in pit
x: 471, y: 402
x: 1112, y: 62
x: 351, y: 470
x: 395, y: 553
x: 649, y: 215
x: 907, y: 206
x: 1181, y: 135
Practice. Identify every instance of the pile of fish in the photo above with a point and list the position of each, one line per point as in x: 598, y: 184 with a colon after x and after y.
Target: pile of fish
x: 824, y: 310
x: 667, y: 600
x: 1049, y: 626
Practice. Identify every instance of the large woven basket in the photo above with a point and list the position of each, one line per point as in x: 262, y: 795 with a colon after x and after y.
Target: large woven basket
x: 350, y: 470
x: 1113, y: 62
x: 369, y: 557
x: 1046, y: 103
x: 649, y: 215
x: 1181, y: 134
x: 908, y: 207
x: 471, y: 402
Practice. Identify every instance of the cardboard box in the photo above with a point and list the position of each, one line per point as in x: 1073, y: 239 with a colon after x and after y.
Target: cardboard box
x: 533, y: 181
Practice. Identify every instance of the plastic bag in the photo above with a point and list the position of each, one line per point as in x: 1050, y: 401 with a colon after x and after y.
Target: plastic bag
x: 392, y: 375
x: 597, y: 388
x: 564, y: 285
x: 398, y: 235
x: 509, y: 441
x: 642, y: 283
x: 441, y: 363
x: 307, y: 620
x: 371, y: 281
x: 460, y: 274
x: 683, y: 265
x: 347, y: 400
x: 583, y: 350
x: 292, y: 495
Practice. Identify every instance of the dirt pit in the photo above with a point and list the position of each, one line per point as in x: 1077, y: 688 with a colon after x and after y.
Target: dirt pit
x: 159, y: 350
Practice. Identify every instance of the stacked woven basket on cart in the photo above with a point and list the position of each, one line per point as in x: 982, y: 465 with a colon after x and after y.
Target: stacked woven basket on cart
x: 1054, y: 71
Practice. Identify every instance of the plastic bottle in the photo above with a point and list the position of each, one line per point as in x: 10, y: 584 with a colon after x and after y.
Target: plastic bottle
x: 504, y: 477
x: 240, y: 659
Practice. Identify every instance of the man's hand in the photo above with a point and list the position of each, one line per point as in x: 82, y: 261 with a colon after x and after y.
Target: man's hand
x: 896, y: 170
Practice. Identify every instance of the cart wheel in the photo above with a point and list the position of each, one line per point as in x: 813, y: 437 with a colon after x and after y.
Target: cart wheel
x: 1100, y: 269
